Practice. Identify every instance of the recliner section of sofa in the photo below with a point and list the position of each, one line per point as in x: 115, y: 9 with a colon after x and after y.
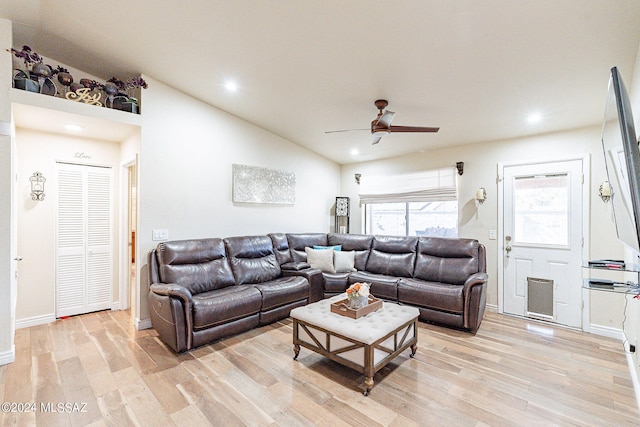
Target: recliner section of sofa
x: 206, y: 289
x: 445, y: 278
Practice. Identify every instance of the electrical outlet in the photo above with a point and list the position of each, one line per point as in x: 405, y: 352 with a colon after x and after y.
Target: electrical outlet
x: 492, y: 235
x: 158, y: 235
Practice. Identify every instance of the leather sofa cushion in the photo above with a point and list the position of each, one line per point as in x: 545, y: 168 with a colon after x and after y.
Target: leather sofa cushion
x: 299, y: 241
x: 282, y: 291
x: 392, y: 255
x: 252, y: 259
x: 225, y: 305
x: 382, y: 285
x: 200, y: 265
x: 335, y: 283
x: 281, y: 247
x: 446, y: 260
x: 433, y: 295
x: 359, y: 243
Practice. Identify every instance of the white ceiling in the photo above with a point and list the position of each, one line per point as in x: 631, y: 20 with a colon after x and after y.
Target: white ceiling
x: 476, y: 68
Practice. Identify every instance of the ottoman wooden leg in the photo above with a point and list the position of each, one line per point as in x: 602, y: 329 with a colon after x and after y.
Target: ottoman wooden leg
x: 296, y: 350
x: 368, y: 383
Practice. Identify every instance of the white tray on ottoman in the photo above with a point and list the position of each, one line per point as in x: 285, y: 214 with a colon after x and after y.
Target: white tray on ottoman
x: 365, y: 344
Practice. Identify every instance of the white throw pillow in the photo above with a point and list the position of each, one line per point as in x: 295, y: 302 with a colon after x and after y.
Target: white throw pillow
x: 344, y: 261
x: 321, y: 259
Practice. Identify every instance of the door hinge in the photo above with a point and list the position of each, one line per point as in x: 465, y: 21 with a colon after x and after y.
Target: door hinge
x: 583, y: 241
x: 583, y: 178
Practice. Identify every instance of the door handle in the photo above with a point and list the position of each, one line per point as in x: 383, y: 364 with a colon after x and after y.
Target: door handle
x: 508, y: 249
x: 18, y: 258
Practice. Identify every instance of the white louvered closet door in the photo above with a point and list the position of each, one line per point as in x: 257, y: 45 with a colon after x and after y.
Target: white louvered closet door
x: 84, y: 260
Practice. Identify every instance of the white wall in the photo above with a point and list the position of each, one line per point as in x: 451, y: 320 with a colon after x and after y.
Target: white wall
x: 39, y: 151
x: 187, y: 151
x: 480, y: 170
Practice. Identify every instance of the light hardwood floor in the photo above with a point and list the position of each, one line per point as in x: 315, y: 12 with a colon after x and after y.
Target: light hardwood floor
x: 512, y: 372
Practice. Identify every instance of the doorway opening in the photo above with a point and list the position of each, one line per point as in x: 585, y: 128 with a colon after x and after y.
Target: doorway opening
x: 131, y: 228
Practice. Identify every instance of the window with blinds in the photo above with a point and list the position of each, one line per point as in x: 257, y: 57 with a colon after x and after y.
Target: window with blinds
x: 417, y: 204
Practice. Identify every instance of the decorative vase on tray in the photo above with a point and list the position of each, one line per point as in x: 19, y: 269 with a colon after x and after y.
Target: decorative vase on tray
x: 358, y: 295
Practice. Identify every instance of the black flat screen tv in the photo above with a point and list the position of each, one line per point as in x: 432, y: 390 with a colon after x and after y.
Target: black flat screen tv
x: 622, y: 159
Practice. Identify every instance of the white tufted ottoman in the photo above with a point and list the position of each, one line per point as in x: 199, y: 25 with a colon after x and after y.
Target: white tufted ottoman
x: 366, y: 344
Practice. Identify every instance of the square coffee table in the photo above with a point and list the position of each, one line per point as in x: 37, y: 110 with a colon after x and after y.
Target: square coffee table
x: 366, y: 344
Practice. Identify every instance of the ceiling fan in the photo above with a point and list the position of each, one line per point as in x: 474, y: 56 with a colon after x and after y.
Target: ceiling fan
x: 381, y: 125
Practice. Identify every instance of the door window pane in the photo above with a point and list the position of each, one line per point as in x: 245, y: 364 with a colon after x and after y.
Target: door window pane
x: 542, y: 210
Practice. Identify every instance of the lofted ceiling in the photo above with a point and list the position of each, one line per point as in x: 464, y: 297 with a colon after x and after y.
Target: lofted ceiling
x: 475, y: 68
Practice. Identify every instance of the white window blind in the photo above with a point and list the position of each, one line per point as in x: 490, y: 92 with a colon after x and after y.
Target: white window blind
x: 425, y: 186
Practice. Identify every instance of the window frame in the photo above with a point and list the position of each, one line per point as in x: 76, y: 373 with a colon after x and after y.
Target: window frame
x: 368, y: 225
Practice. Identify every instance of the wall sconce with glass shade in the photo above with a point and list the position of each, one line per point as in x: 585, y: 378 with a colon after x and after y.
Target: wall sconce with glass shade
x: 37, y: 186
x: 605, y: 191
x: 481, y: 195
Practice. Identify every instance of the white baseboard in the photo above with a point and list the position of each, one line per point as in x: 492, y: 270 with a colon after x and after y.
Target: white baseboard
x: 115, y: 305
x: 35, y: 320
x: 8, y: 356
x: 491, y: 307
x: 143, y: 324
x: 606, y: 331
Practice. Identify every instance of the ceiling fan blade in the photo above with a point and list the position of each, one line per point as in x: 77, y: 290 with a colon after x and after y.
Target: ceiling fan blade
x: 375, y: 140
x: 342, y: 130
x: 385, y: 120
x: 412, y: 129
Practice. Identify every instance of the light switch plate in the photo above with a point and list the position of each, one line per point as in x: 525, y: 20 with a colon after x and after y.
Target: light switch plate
x: 492, y: 235
x: 158, y: 235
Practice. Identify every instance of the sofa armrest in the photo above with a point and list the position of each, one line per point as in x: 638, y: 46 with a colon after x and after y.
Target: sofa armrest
x: 315, y: 278
x: 295, y: 266
x: 474, y: 280
x: 475, y: 297
x: 173, y: 291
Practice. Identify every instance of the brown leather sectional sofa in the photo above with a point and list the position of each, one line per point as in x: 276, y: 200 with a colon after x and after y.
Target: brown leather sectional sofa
x: 205, y: 289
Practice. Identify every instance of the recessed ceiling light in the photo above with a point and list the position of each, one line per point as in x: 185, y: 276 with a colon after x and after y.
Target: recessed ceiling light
x: 231, y: 86
x: 534, y: 117
x: 74, y: 128
x: 354, y: 152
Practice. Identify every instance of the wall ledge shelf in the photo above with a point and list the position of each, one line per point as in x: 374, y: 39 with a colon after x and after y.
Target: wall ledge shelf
x: 64, y: 105
x: 50, y: 114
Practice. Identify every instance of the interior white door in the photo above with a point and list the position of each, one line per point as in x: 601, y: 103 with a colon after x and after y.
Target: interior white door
x: 84, y: 254
x: 542, y: 248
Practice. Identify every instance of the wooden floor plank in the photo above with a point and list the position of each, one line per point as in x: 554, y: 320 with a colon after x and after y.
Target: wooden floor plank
x: 511, y: 372
x: 77, y: 390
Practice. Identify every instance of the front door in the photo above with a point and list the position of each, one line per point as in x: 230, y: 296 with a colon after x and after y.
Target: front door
x: 543, y: 241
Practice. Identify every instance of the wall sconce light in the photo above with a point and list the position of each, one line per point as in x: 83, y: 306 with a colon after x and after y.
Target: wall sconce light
x: 481, y: 195
x: 460, y: 167
x: 605, y: 191
x: 358, y: 176
x: 37, y: 186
